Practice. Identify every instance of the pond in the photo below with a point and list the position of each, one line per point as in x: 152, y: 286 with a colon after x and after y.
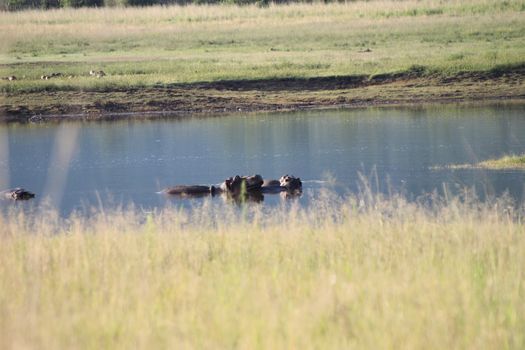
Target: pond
x: 78, y: 165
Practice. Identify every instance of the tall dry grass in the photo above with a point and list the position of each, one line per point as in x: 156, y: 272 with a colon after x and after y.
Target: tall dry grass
x: 364, y: 272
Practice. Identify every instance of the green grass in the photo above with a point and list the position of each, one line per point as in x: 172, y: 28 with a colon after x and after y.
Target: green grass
x: 366, y: 272
x: 506, y: 162
x: 512, y: 162
x: 159, y: 45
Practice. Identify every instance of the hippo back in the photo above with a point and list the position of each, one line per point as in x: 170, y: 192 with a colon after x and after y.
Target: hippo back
x: 271, y: 183
x: 291, y: 183
x: 189, y: 190
x: 234, y: 185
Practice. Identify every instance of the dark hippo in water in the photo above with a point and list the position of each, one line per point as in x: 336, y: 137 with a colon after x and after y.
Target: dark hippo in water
x: 241, y: 186
x: 287, y: 183
x: 190, y: 190
x: 233, y: 185
x: 238, y: 184
x: 16, y: 194
x: 292, y: 184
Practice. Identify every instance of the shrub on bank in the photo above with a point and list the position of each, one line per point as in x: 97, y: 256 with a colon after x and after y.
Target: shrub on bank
x: 14, y: 5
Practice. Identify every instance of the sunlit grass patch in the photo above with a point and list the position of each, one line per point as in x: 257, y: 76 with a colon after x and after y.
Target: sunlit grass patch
x: 505, y: 162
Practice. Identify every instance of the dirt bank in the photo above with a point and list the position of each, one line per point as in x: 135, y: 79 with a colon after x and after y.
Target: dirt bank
x: 261, y: 95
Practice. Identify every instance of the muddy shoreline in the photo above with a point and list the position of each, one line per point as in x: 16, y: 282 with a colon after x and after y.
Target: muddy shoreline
x: 273, y: 95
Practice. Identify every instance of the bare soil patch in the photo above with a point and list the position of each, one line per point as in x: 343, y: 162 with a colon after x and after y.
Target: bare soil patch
x: 262, y: 95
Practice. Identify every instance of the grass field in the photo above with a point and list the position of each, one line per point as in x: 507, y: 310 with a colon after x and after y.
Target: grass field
x: 366, y: 272
x: 163, y: 45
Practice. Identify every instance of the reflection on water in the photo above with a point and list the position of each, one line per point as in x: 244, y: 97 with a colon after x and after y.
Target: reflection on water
x: 98, y: 163
x: 61, y: 154
x: 4, y: 158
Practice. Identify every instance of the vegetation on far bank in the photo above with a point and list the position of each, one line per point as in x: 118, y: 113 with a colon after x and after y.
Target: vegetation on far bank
x: 50, y: 4
x: 366, y: 272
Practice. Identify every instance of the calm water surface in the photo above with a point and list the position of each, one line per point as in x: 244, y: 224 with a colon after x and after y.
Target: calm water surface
x: 77, y: 165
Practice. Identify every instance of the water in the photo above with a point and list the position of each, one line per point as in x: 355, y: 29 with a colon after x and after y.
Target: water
x: 78, y: 165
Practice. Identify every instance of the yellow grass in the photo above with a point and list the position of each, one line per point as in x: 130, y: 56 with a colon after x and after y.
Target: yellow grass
x: 366, y: 272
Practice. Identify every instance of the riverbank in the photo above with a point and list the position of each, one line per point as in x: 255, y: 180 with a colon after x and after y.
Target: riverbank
x: 408, y: 88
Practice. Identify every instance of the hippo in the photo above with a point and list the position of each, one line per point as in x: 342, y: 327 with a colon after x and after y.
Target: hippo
x: 272, y: 186
x: 190, y: 190
x: 291, y: 183
x: 287, y: 183
x: 233, y: 185
x: 237, y: 184
x: 242, y: 187
x: 16, y: 194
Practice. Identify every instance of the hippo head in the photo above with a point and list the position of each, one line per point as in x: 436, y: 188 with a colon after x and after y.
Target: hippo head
x: 253, y: 183
x: 21, y: 194
x: 291, y: 183
x: 233, y: 184
x: 237, y: 184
